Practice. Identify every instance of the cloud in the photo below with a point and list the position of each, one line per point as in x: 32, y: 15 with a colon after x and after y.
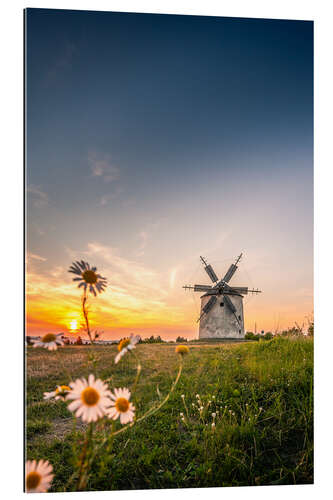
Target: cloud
x: 62, y: 63
x: 36, y: 257
x: 101, y: 166
x: 143, y: 235
x: 39, y: 197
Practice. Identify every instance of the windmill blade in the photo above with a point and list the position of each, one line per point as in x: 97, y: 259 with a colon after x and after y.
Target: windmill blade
x: 243, y: 290
x: 209, y: 304
x: 231, y: 306
x: 229, y: 274
x: 230, y: 303
x: 202, y: 288
x: 208, y: 307
x: 211, y: 273
x: 209, y: 270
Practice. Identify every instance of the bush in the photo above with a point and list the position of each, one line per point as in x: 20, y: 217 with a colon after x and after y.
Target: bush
x: 181, y: 339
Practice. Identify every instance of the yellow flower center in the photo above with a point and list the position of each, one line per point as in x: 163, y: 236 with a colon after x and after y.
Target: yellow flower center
x: 33, y: 479
x: 122, y: 405
x: 89, y: 276
x: 123, y: 343
x: 90, y: 396
x: 182, y: 350
x: 62, y: 388
x: 49, y: 337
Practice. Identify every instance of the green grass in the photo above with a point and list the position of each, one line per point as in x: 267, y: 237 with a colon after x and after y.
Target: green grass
x: 261, y: 392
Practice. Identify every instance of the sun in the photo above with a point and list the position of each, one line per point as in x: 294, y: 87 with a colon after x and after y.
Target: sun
x: 73, y: 325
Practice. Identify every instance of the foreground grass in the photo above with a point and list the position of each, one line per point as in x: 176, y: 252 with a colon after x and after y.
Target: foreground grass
x: 261, y: 394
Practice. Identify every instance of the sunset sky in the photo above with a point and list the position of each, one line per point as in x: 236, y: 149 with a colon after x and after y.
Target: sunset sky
x: 154, y: 139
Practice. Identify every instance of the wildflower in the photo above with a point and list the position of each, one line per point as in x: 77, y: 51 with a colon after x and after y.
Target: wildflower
x: 50, y: 341
x: 38, y: 476
x: 120, y: 406
x: 181, y: 414
x: 213, y: 414
x: 183, y: 396
x: 88, y: 277
x: 91, y: 398
x: 126, y: 345
x: 60, y: 393
x: 197, y: 396
x: 213, y: 425
x: 182, y: 350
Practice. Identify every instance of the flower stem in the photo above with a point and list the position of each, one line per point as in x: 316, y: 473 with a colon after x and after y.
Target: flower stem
x: 138, y: 372
x: 85, y: 314
x: 155, y: 409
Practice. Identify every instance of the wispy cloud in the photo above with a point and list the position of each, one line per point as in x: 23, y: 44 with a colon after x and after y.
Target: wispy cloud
x: 143, y: 237
x: 101, y: 166
x: 39, y: 197
x: 63, y: 62
x: 36, y: 257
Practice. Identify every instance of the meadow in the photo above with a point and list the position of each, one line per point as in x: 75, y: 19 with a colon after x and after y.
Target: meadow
x: 241, y: 414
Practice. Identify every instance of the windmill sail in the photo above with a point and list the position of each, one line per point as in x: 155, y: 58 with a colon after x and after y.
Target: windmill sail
x: 202, y: 288
x: 209, y: 304
x: 229, y: 303
x: 243, y: 290
x: 211, y: 273
x: 231, y: 307
x: 229, y: 274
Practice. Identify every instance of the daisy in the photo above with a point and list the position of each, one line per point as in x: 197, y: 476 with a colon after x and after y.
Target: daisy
x: 38, y: 476
x: 88, y: 277
x: 126, y: 345
x: 91, y: 398
x: 60, y: 393
x: 50, y: 341
x: 182, y: 350
x: 120, y: 406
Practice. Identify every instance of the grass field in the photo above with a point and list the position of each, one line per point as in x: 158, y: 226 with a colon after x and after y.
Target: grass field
x: 261, y: 393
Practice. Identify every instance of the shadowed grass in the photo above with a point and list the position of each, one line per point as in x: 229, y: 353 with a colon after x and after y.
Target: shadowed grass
x: 261, y: 394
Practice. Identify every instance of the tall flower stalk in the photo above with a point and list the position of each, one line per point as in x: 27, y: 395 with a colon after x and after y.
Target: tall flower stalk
x: 92, y: 282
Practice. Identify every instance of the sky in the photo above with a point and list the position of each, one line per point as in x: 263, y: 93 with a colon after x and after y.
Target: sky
x: 154, y: 139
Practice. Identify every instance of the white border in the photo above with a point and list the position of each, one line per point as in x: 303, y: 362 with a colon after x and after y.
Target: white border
x: 11, y: 248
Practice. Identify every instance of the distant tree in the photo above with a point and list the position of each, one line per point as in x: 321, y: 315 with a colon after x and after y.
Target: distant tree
x: 28, y: 339
x: 79, y: 341
x: 249, y: 335
x: 181, y: 339
x: 311, y: 329
x: 268, y: 336
x: 153, y: 340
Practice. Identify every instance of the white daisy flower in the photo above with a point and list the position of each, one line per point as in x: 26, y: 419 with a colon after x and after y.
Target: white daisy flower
x: 126, y: 345
x: 88, y: 277
x: 38, y: 476
x: 60, y: 393
x: 50, y: 341
x: 90, y: 398
x: 120, y: 406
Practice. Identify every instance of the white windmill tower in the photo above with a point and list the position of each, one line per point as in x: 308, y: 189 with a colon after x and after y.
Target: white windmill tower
x: 221, y: 314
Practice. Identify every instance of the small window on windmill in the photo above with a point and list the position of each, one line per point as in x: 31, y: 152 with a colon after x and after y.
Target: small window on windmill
x: 239, y: 317
x: 240, y: 331
x: 221, y: 304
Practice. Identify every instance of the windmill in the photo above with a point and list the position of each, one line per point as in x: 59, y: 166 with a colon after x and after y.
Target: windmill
x: 221, y: 314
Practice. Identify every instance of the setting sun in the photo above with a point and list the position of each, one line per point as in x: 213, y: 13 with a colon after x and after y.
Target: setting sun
x: 73, y: 325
